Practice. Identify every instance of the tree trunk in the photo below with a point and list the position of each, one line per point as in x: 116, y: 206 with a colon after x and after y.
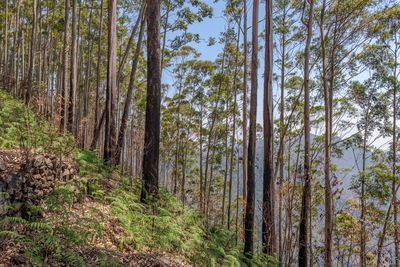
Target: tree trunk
x: 72, y: 89
x: 233, y: 126
x: 363, y: 252
x: 87, y: 88
x: 152, y: 121
x: 128, y: 46
x: 226, y: 159
x: 328, y: 118
x: 394, y: 148
x: 124, y: 119
x: 281, y: 139
x: 109, y: 136
x: 32, y: 55
x: 65, y: 66
x: 250, y: 203
x: 268, y: 218
x: 306, y: 197
x: 244, y: 111
x: 96, y: 111
x: 5, y: 65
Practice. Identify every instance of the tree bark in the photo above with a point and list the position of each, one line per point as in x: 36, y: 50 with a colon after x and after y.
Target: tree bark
x: 268, y: 218
x: 328, y: 119
x: 32, y: 55
x: 233, y: 126
x: 109, y: 135
x: 152, y: 121
x: 96, y: 111
x: 250, y: 203
x: 73, y: 74
x: 244, y: 111
x: 306, y: 197
x: 64, y: 83
x: 124, y: 119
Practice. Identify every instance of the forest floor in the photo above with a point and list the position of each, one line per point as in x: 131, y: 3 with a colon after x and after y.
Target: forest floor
x: 101, y: 252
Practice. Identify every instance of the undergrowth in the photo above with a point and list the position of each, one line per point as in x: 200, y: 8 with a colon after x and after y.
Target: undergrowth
x: 53, y: 231
x: 21, y: 128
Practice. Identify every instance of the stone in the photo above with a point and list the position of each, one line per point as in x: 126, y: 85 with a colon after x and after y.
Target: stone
x: 3, y: 165
x: 48, y: 162
x: 39, y: 161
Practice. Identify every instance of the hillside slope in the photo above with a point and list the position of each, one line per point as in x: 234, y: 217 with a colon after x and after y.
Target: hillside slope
x: 66, y: 208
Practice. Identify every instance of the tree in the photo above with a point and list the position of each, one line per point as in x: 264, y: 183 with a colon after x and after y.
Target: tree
x: 124, y: 118
x: 250, y: 202
x: 64, y: 66
x: 306, y: 196
x: 152, y: 123
x: 110, y: 116
x: 268, y: 221
x: 328, y: 135
x: 72, y: 89
x: 31, y: 53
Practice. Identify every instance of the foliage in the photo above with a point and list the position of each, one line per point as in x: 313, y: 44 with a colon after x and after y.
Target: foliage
x: 20, y: 127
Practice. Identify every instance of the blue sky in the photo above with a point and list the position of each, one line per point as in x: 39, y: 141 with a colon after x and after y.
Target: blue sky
x: 212, y: 27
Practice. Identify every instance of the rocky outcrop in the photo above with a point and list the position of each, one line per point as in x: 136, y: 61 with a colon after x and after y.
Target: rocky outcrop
x: 29, y: 177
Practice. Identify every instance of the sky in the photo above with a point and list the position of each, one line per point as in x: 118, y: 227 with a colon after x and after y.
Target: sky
x: 212, y: 27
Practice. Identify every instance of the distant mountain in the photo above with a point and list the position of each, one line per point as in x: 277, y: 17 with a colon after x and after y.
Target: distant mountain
x: 346, y: 164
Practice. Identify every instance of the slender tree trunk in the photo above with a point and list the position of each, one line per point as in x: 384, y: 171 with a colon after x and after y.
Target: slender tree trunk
x: 201, y: 156
x: 109, y: 136
x: 14, y: 69
x: 65, y: 66
x: 394, y: 148
x: 250, y: 203
x: 87, y: 87
x: 234, y: 126
x: 328, y: 118
x: 244, y: 111
x: 152, y: 122
x: 5, y: 61
x: 306, y: 197
x: 281, y: 139
x: 268, y: 220
x: 124, y: 120
x: 363, y: 252
x: 73, y: 75
x: 32, y: 55
x: 98, y: 80
x: 226, y: 160
x: 214, y: 117
x: 130, y: 41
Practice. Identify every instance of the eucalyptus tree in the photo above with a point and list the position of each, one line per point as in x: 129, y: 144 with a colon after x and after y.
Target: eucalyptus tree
x: 372, y: 110
x: 64, y: 83
x: 306, y: 197
x: 250, y: 201
x: 152, y: 123
x: 268, y: 218
x: 73, y: 74
x: 288, y: 38
x: 382, y: 57
x: 110, y: 123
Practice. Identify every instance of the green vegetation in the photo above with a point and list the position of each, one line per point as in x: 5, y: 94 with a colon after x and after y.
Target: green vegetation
x: 20, y: 127
x: 63, y: 227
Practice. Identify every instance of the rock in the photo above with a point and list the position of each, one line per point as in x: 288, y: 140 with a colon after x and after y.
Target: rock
x: 3, y: 165
x: 48, y: 162
x: 39, y: 161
